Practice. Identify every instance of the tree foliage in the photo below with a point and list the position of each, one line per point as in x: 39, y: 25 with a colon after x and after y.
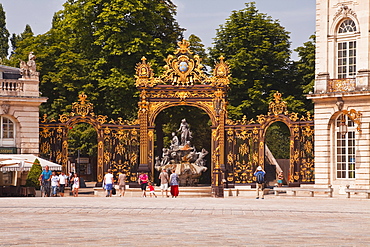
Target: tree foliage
x: 4, y: 35
x: 34, y: 174
x: 197, y: 47
x: 27, y: 33
x: 277, y: 139
x: 303, y: 71
x: 94, y: 45
x: 257, y: 49
x: 82, y: 137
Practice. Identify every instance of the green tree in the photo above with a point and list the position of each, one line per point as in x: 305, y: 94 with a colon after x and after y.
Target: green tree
x: 306, y: 64
x: 34, y: 174
x: 4, y: 35
x: 94, y: 46
x: 303, y: 76
x: 277, y: 140
x: 27, y: 33
x: 197, y: 47
x: 82, y: 137
x: 257, y: 49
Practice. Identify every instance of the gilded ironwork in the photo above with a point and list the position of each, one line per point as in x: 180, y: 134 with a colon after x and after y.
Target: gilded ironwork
x: 82, y: 108
x: 355, y: 116
x: 277, y: 106
x: 221, y: 74
x: 144, y: 74
x: 245, y: 147
x: 117, y: 140
x: 341, y: 85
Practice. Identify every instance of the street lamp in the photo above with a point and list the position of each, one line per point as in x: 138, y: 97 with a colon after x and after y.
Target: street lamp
x: 343, y: 128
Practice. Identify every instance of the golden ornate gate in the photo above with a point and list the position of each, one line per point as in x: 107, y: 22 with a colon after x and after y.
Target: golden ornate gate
x: 182, y: 84
x: 245, y: 145
x: 117, y: 140
x: 237, y: 147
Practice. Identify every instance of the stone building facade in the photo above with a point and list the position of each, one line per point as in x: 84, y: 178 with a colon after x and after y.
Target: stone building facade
x: 19, y: 114
x: 342, y: 94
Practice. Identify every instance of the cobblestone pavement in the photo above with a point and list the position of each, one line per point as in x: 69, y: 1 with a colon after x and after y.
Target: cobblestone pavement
x: 134, y: 221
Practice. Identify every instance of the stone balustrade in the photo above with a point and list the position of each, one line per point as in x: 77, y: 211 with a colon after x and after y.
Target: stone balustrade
x: 19, y: 87
x: 11, y: 85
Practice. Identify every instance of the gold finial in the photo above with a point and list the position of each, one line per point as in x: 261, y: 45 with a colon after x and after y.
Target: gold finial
x: 277, y: 96
x: 82, y: 97
x: 143, y: 59
x: 221, y: 58
x: 183, y: 47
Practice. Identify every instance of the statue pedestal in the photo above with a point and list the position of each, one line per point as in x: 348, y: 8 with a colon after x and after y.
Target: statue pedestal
x: 217, y: 185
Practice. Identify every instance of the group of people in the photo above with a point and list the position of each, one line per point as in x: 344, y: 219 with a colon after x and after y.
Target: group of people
x: 166, y: 181
x: 51, y: 183
x: 108, y: 183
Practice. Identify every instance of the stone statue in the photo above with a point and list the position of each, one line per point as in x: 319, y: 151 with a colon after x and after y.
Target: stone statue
x: 200, y: 160
x: 188, y: 163
x: 29, y: 69
x: 185, y: 132
x: 174, y: 142
x: 165, y: 157
x: 157, y: 162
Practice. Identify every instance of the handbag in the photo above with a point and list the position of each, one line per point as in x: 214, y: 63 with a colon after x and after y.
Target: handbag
x: 114, y: 190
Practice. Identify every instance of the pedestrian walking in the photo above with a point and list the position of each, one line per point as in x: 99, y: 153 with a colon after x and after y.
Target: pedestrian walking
x: 151, y: 190
x: 63, y: 179
x: 174, y: 183
x: 143, y: 181
x: 54, y: 183
x: 163, y: 176
x: 108, y: 182
x: 280, y: 179
x: 45, y: 180
x: 76, y: 185
x: 122, y: 183
x: 71, y: 177
x: 260, y: 182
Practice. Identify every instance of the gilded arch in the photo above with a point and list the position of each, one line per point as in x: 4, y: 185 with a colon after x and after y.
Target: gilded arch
x: 117, y: 140
x: 182, y: 84
x: 245, y: 144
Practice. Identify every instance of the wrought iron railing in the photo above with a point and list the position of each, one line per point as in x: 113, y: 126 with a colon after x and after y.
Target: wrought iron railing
x: 341, y: 85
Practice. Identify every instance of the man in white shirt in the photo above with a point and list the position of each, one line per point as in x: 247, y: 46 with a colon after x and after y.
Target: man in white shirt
x: 54, y: 183
x: 62, y: 183
x: 108, y: 181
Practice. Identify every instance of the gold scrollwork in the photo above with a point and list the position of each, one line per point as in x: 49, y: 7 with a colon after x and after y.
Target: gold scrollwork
x: 277, y: 106
x: 355, y: 116
x: 82, y: 108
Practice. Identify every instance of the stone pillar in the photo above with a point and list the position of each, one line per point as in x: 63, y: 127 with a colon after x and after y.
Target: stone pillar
x: 362, y: 80
x: 321, y: 83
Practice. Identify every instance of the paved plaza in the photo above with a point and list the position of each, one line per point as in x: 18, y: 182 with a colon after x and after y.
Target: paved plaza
x: 136, y: 221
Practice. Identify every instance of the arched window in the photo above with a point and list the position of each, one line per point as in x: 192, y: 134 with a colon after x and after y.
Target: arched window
x: 347, y: 26
x: 346, y: 49
x: 7, y: 132
x: 345, y: 147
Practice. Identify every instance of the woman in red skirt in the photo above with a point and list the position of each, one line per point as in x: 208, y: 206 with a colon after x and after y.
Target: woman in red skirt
x: 174, y: 182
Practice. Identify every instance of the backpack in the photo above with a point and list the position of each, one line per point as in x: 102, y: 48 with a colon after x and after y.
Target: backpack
x: 260, y: 177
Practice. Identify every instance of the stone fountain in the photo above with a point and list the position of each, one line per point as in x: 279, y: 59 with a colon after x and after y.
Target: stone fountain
x: 182, y: 157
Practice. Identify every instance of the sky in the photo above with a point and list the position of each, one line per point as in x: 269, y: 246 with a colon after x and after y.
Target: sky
x: 199, y: 17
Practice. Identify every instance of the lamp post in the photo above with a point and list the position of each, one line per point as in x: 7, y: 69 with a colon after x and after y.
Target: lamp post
x: 343, y: 128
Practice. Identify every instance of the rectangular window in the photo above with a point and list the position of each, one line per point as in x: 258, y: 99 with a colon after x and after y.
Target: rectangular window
x: 347, y: 59
x: 346, y: 155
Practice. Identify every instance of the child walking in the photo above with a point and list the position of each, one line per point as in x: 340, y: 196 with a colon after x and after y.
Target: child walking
x: 151, y: 190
